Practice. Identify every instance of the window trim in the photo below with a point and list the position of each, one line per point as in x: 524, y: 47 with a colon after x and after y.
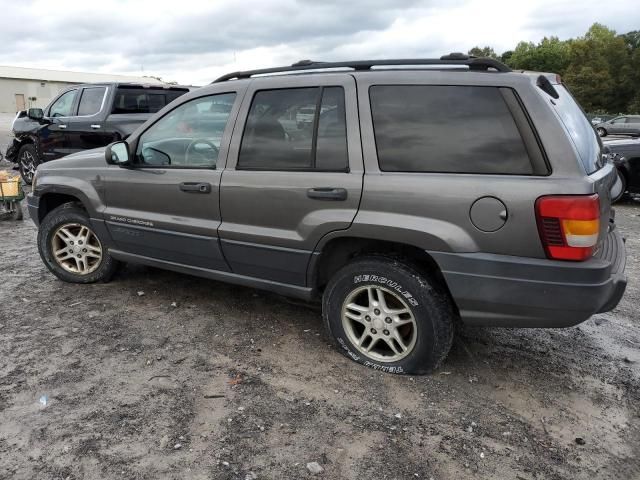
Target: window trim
x: 314, y: 139
x: 75, y: 100
x: 499, y: 88
x: 104, y: 98
x: 133, y: 147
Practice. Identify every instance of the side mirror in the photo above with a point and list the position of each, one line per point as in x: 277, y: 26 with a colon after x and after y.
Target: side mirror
x: 35, y: 114
x: 117, y: 154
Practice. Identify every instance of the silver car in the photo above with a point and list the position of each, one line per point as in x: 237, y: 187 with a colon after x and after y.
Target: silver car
x: 625, y: 125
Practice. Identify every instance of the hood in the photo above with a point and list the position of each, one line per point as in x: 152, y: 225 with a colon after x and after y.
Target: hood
x: 85, y: 159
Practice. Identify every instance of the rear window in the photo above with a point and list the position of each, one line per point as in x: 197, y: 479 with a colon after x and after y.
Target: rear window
x: 143, y: 100
x: 446, y: 129
x: 580, y: 130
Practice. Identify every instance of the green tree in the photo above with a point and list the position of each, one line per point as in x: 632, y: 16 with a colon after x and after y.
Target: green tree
x: 483, y: 52
x: 600, y: 73
x: 549, y: 55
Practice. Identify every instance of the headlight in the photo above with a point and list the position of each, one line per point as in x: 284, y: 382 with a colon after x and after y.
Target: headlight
x: 34, y: 181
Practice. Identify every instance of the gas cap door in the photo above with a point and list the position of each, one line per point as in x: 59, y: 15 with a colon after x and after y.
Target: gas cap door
x: 488, y: 214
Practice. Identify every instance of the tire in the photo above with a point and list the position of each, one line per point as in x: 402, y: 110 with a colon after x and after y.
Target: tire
x: 428, y: 327
x: 28, y: 161
x: 601, y: 131
x: 623, y: 189
x: 68, y: 226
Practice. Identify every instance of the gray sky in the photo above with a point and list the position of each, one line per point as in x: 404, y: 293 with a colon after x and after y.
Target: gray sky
x: 194, y: 41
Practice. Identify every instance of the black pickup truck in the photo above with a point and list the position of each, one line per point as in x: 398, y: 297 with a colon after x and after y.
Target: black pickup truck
x: 83, y: 117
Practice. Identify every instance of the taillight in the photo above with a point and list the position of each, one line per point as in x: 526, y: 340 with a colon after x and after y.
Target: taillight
x: 569, y: 225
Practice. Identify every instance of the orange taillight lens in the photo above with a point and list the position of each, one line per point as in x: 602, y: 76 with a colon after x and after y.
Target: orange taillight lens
x: 569, y: 225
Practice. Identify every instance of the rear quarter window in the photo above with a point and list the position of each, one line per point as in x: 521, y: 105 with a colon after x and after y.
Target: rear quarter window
x: 143, y: 100
x: 446, y: 129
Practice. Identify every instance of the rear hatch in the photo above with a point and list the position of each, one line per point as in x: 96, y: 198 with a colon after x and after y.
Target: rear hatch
x: 590, y: 151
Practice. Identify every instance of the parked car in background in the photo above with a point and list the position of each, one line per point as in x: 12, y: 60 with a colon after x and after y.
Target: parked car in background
x: 596, y: 120
x: 411, y: 199
x: 83, y: 117
x: 625, y: 125
x: 625, y: 155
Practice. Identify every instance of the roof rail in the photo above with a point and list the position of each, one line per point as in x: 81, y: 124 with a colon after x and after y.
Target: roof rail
x: 474, y: 63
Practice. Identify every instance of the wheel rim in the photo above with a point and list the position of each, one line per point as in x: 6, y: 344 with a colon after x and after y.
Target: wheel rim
x: 379, y: 323
x: 601, y: 132
x: 28, y: 164
x: 76, y: 248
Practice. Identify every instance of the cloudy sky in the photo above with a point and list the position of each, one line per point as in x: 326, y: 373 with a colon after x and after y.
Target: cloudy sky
x: 194, y: 41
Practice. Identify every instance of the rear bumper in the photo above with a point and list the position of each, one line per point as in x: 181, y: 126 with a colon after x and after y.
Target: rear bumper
x: 505, y: 291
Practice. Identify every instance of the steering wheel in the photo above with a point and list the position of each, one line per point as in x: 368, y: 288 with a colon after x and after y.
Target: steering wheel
x: 191, y: 150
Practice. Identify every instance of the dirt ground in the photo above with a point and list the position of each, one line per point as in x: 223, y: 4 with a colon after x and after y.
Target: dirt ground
x: 116, y: 381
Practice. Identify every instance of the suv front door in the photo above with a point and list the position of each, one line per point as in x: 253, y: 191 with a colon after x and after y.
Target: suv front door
x: 292, y: 176
x: 53, y: 134
x: 165, y: 206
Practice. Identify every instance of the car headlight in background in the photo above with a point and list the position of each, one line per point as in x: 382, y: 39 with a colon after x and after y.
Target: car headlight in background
x: 34, y: 181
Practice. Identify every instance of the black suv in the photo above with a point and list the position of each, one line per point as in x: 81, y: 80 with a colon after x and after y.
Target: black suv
x: 403, y: 198
x: 83, y: 117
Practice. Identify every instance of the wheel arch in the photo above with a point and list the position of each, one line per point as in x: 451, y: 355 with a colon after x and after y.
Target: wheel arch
x: 338, y: 251
x: 53, y: 199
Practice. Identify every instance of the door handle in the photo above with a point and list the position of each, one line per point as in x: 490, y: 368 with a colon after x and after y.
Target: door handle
x: 95, y: 127
x: 327, y: 193
x: 62, y: 126
x: 195, y: 187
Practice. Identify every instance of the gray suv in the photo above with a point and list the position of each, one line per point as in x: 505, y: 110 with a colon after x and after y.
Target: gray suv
x: 417, y: 193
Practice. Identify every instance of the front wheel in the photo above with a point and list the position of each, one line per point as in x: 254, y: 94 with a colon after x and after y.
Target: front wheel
x: 601, y: 131
x: 28, y: 162
x: 386, y: 315
x: 71, y: 249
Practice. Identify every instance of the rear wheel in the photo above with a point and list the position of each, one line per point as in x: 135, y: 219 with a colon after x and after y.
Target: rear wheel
x: 71, y: 249
x: 601, y: 131
x: 28, y: 162
x: 386, y: 315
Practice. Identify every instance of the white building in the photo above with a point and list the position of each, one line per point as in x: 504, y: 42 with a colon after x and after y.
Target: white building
x: 22, y: 88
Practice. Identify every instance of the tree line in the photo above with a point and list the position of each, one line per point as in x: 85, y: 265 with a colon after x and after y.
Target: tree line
x: 602, y: 68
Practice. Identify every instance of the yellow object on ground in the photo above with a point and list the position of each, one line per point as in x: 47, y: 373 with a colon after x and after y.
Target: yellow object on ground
x: 9, y: 185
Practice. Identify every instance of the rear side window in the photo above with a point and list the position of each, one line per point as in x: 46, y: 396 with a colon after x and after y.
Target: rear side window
x: 579, y: 129
x: 296, y: 129
x: 91, y: 100
x: 446, y: 129
x: 143, y: 100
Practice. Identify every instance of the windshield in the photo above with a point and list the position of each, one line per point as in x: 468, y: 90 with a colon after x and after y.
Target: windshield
x: 582, y: 134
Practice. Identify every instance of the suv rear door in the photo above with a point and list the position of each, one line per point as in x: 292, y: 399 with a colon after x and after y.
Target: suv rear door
x: 289, y: 182
x: 85, y: 129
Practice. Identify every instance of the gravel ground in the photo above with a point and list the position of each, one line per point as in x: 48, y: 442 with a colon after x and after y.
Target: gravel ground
x: 117, y: 381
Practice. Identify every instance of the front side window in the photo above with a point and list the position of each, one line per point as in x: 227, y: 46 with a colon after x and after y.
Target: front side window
x: 296, y: 129
x: 91, y: 100
x: 188, y: 136
x: 446, y: 129
x: 619, y: 120
x: 62, y: 106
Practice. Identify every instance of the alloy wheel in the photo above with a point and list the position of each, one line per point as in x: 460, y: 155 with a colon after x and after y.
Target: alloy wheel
x: 76, y: 248
x: 28, y: 164
x: 379, y: 323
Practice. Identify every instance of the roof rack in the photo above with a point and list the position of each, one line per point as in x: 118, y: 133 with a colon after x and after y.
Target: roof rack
x: 474, y: 63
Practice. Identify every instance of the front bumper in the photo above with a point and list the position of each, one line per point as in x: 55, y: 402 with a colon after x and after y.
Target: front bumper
x: 505, y: 291
x: 33, y: 205
x: 12, y: 152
